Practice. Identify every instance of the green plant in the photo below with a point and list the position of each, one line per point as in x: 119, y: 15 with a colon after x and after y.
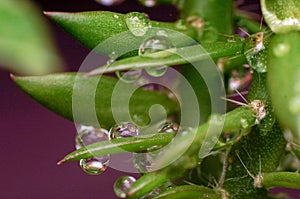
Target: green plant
x: 245, y: 151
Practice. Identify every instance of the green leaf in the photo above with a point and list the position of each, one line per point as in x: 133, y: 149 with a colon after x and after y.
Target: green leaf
x: 181, y: 56
x: 281, y: 16
x: 281, y: 179
x: 93, y: 28
x: 88, y: 100
x: 25, y: 44
x: 121, y: 145
x: 189, y: 191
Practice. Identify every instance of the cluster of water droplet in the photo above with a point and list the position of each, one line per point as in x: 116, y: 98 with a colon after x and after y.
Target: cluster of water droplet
x: 158, y: 46
x: 143, y: 161
x: 89, y: 135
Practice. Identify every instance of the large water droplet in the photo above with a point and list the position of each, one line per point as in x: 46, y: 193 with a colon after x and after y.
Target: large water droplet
x: 122, y: 185
x: 155, y: 44
x: 137, y: 23
x: 148, y: 3
x: 168, y: 127
x: 129, y: 76
x: 89, y: 135
x: 125, y: 129
x: 109, y: 2
x: 94, y: 166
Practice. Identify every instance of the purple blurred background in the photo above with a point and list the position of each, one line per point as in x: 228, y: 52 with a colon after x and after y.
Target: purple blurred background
x: 34, y: 139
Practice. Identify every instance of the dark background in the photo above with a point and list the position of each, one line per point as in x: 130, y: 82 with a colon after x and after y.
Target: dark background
x: 33, y: 139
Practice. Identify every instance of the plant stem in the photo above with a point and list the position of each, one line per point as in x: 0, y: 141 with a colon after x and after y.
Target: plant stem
x: 281, y: 179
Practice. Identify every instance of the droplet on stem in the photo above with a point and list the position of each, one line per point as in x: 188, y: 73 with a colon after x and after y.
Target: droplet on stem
x: 125, y: 129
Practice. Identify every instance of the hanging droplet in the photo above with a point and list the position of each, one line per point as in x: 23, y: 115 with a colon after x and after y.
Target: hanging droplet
x: 94, y: 166
x: 122, y: 185
x: 155, y: 44
x: 151, y: 46
x: 148, y: 3
x: 125, y: 129
x: 157, y: 71
x: 109, y: 2
x: 89, y: 135
x: 137, y: 23
x: 168, y: 127
x: 129, y: 76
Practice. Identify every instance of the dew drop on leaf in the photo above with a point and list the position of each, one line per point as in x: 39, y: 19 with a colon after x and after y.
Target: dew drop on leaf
x: 137, y: 23
x: 122, y: 184
x: 129, y: 76
x: 125, y: 129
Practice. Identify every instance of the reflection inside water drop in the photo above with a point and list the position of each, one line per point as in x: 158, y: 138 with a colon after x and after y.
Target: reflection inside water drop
x: 122, y: 184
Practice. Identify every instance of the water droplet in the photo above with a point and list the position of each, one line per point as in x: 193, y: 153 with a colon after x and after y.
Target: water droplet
x: 89, y: 135
x: 168, y: 127
x: 155, y: 44
x: 257, y: 61
x: 129, y: 76
x: 244, y: 123
x: 109, y: 2
x: 148, y: 3
x: 281, y: 49
x: 157, y: 71
x: 122, y: 184
x: 125, y: 129
x: 94, y: 166
x: 137, y: 23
